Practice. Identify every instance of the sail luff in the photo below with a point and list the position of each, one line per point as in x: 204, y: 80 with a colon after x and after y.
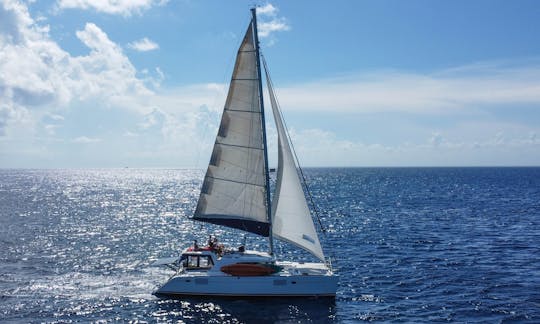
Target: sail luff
x: 291, y: 217
x: 235, y: 185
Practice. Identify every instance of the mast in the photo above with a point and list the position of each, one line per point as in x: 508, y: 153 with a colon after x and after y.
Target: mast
x: 268, y: 203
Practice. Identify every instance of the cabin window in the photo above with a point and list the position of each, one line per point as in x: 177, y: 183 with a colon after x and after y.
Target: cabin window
x: 205, y: 262
x: 198, y: 262
x: 193, y: 261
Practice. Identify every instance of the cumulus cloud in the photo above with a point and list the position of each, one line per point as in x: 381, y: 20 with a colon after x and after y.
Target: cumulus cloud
x: 113, y: 7
x: 37, y: 73
x: 106, y: 70
x: 27, y: 63
x: 267, y: 10
x: 143, y: 45
x: 269, y: 22
x: 267, y: 28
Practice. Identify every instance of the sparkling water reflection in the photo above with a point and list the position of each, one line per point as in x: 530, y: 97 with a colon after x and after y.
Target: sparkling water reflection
x: 451, y: 244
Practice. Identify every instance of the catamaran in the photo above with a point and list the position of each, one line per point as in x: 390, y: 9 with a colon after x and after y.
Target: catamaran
x: 236, y: 193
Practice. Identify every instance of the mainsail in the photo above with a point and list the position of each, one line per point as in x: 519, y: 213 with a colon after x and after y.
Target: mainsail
x: 234, y: 188
x: 291, y: 218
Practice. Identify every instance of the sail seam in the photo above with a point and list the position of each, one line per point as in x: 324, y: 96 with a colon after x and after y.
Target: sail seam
x: 234, y: 181
x: 244, y: 79
x: 246, y: 111
x: 234, y: 145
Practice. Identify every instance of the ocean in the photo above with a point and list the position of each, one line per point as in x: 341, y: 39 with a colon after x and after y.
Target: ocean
x: 409, y: 244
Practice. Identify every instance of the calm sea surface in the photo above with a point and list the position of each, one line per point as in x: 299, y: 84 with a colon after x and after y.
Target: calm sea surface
x: 410, y: 244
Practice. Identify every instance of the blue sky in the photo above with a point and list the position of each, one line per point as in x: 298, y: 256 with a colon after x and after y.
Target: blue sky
x: 361, y: 83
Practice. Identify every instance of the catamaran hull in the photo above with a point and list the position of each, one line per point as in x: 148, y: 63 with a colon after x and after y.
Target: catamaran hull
x: 264, y: 286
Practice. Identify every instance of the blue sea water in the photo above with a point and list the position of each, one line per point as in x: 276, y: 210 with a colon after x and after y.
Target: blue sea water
x: 410, y: 244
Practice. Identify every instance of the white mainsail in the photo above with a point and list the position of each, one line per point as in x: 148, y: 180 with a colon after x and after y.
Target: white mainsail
x: 291, y: 218
x: 234, y: 188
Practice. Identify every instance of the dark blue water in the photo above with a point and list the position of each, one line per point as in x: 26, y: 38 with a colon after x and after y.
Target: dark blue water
x: 412, y: 244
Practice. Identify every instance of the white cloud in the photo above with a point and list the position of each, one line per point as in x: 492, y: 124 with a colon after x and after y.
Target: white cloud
x: 160, y: 73
x: 113, y: 7
x: 155, y: 118
x: 26, y: 57
x: 317, y: 147
x: 192, y: 97
x: 106, y: 72
x: 267, y: 10
x: 85, y: 140
x: 55, y: 117
x: 440, y: 92
x: 42, y: 88
x: 50, y: 129
x: 130, y: 134
x: 269, y: 22
x: 143, y: 45
x: 275, y: 25
x: 37, y: 73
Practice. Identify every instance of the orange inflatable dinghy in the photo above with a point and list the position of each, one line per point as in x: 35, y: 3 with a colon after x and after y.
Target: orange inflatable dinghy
x: 248, y: 269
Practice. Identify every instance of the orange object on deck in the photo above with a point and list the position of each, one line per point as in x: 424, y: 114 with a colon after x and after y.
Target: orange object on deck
x: 247, y: 269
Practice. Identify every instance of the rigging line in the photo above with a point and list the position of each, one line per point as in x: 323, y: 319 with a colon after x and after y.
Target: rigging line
x: 315, y: 209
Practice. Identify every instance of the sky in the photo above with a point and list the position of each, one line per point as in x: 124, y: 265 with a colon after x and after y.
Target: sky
x: 142, y: 83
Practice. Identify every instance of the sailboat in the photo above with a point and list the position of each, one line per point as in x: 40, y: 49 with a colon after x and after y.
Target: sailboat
x: 236, y: 193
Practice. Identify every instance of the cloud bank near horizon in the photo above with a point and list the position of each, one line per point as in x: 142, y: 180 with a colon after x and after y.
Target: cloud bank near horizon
x: 446, y: 91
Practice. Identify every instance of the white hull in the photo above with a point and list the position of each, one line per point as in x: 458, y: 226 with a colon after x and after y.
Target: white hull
x: 295, y: 279
x: 264, y: 286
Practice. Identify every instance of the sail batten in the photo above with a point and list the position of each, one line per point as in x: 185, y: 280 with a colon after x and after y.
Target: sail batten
x: 247, y: 147
x: 234, y: 190
x: 233, y: 181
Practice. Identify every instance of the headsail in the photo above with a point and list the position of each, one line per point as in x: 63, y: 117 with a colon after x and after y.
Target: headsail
x: 234, y: 189
x: 291, y: 218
